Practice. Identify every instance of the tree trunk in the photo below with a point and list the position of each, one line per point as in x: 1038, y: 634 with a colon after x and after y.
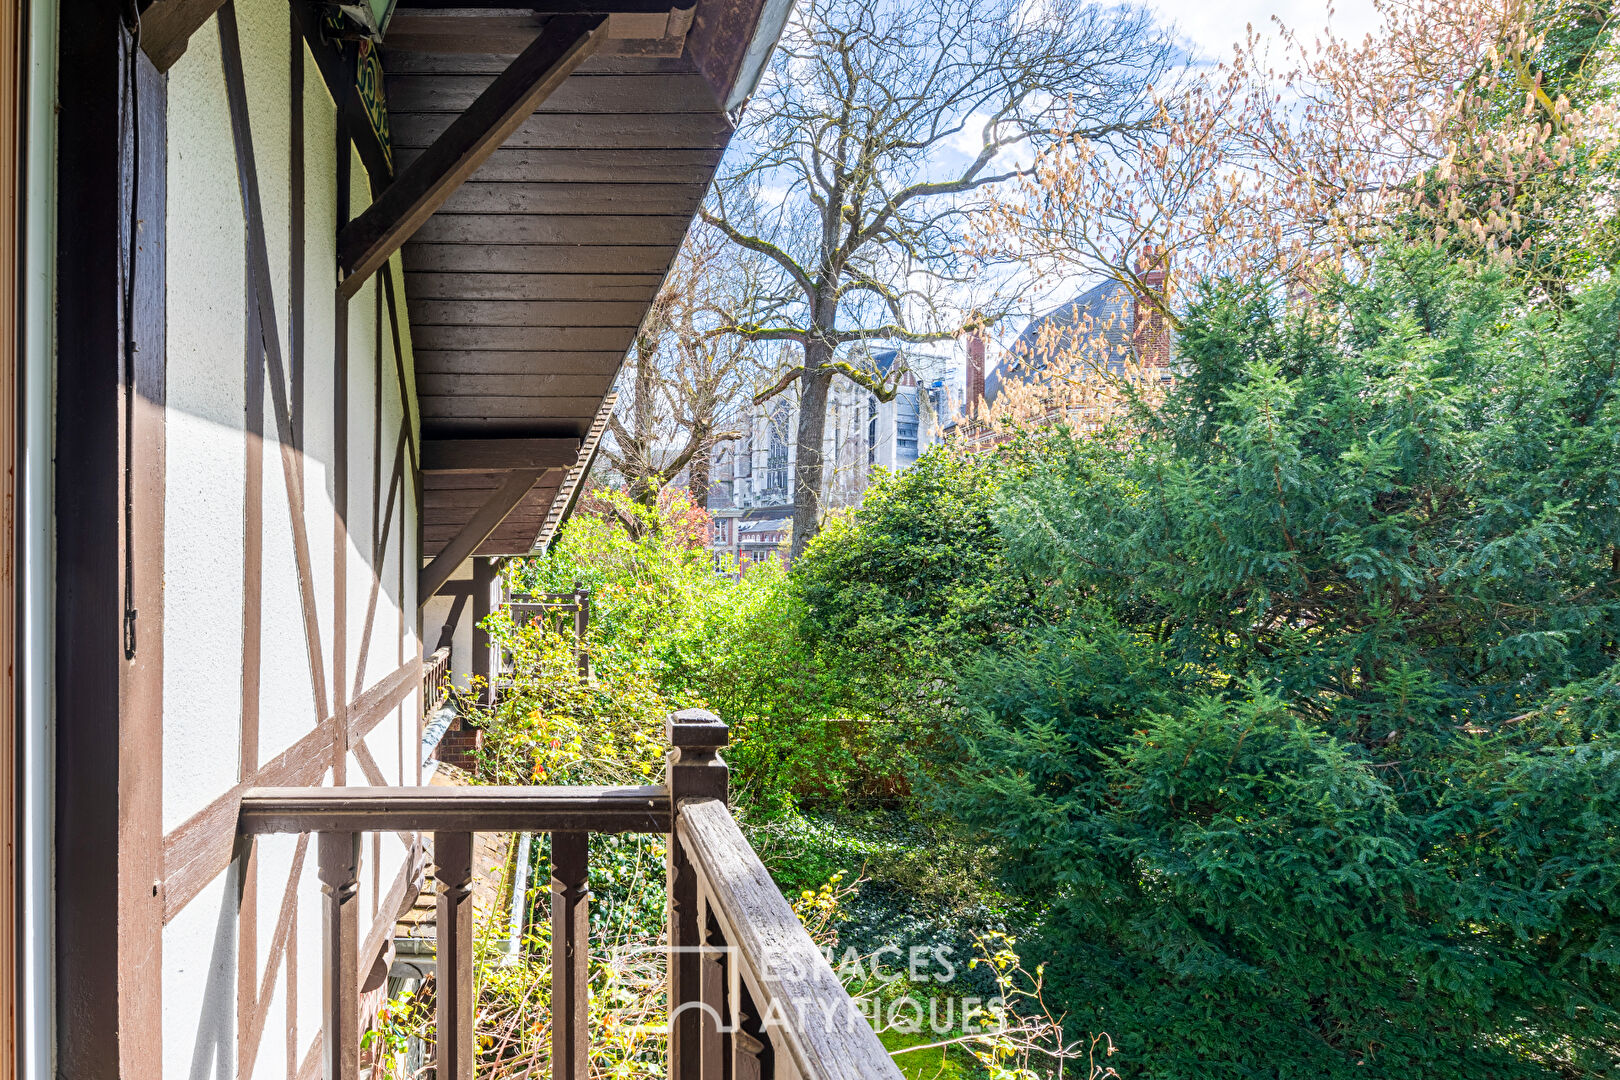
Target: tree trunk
x: 697, y: 476
x: 813, y: 386
x: 644, y: 485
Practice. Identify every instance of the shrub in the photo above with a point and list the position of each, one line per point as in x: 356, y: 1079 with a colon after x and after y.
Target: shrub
x: 916, y: 577
x: 1320, y: 774
x: 662, y: 615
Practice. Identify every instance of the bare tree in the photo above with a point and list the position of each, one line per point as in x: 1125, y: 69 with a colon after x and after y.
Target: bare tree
x: 1462, y: 119
x: 686, y: 376
x: 876, y: 125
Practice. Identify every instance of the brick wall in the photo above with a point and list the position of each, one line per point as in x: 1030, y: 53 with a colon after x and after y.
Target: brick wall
x: 460, y: 745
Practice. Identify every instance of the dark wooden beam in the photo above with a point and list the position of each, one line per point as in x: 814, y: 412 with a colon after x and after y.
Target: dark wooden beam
x: 167, y: 26
x: 484, y: 521
x: 367, y: 241
x: 166, y: 29
x: 642, y: 28
x: 486, y: 656
x: 339, y: 76
x: 495, y: 455
x: 528, y: 808
x: 105, y: 856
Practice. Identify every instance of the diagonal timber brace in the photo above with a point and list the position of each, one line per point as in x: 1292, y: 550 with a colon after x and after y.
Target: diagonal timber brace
x: 484, y: 521
x: 365, y: 243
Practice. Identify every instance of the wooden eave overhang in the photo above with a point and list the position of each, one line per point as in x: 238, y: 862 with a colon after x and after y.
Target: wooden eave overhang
x: 539, y: 168
x: 527, y: 284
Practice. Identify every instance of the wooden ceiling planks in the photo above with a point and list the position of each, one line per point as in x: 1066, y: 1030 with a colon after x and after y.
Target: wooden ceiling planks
x: 562, y: 362
x: 448, y: 501
x: 526, y: 287
x: 449, y: 339
x: 640, y: 288
x: 455, y: 258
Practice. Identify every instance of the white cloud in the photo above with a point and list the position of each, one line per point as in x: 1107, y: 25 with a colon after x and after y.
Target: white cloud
x: 1214, y: 28
x: 970, y: 139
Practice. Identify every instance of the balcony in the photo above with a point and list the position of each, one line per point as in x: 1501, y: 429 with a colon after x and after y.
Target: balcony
x: 750, y: 995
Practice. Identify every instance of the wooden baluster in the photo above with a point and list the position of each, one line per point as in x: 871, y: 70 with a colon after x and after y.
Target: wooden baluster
x: 717, y: 1008
x: 452, y: 857
x: 752, y: 1058
x: 684, y: 987
x: 693, y: 771
x: 570, y: 957
x: 746, y: 1057
x: 582, y: 629
x: 339, y: 873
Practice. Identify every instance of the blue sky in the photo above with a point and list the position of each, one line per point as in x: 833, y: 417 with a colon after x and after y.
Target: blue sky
x: 1213, y: 27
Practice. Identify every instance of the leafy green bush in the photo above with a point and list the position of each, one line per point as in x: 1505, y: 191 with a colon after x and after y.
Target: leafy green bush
x: 730, y: 643
x: 1319, y: 773
x: 551, y: 727
x: 898, y: 589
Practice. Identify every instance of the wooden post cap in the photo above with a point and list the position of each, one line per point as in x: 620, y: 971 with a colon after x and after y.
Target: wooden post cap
x: 697, y: 728
x: 695, y: 769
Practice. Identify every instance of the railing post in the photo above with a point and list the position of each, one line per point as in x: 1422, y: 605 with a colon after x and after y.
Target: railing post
x: 694, y: 765
x: 338, y: 856
x: 747, y: 1054
x: 716, y: 1008
x: 570, y: 957
x: 582, y: 630
x: 452, y: 858
x: 486, y: 580
x: 694, y: 771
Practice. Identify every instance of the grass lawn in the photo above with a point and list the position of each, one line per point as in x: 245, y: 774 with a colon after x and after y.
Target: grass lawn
x: 943, y: 1063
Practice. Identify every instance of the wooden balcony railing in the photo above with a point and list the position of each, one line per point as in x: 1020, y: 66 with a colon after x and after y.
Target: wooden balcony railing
x: 522, y: 607
x: 751, y: 997
x: 435, y: 680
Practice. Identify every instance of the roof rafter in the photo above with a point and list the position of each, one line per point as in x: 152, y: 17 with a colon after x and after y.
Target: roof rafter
x: 366, y: 243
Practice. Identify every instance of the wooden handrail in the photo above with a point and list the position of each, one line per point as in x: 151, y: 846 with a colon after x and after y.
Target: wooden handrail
x: 751, y: 996
x: 454, y: 809
x: 785, y: 974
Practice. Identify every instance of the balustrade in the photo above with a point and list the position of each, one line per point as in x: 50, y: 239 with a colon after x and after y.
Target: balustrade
x: 750, y: 995
x: 435, y: 680
x: 522, y: 607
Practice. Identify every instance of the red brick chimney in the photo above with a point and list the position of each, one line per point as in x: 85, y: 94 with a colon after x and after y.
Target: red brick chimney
x: 1149, y: 329
x: 975, y: 373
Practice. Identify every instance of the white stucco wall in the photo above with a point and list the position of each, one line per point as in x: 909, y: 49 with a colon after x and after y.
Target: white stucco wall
x: 436, y: 612
x: 204, y: 955
x: 202, y: 585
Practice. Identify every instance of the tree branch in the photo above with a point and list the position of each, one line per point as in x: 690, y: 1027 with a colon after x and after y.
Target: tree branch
x: 780, y: 385
x: 882, y: 390
x: 768, y: 333
x: 896, y: 333
x: 764, y: 247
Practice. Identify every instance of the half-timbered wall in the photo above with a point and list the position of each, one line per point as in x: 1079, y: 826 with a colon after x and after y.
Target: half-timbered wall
x: 449, y: 617
x: 291, y: 542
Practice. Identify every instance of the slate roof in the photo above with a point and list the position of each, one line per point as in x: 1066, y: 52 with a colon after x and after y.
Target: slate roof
x: 1103, y: 309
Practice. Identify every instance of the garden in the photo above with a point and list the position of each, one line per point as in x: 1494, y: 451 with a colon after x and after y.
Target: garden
x: 1266, y: 723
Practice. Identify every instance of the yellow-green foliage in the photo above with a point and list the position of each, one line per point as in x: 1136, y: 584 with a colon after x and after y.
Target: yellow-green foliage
x: 667, y: 626
x: 552, y: 727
